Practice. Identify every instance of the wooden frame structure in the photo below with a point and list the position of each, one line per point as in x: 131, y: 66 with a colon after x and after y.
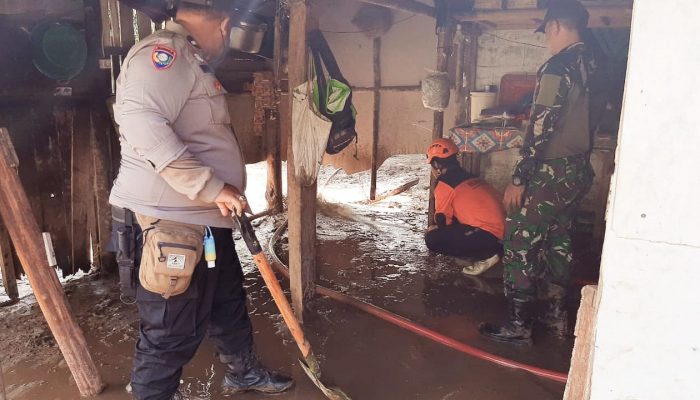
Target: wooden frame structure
x: 92, y: 164
x: 302, y: 218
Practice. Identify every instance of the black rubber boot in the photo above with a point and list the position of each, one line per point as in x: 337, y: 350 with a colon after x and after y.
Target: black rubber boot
x: 556, y: 318
x: 245, y: 373
x: 518, y: 329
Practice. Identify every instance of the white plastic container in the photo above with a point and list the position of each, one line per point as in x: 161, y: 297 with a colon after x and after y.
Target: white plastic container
x: 481, y: 101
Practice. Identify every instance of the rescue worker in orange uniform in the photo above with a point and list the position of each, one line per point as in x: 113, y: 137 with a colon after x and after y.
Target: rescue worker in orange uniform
x: 469, y: 216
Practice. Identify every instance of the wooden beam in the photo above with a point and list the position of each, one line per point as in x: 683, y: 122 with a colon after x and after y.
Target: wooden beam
x: 444, y: 50
x: 578, y: 386
x: 127, y: 38
x: 7, y: 263
x: 410, y: 6
x: 100, y: 132
x: 3, y: 395
x: 83, y: 221
x: 410, y: 88
x: 110, y: 23
x: 22, y: 226
x: 460, y: 48
x: 394, y: 192
x: 143, y: 24
x: 301, y: 199
x: 377, y: 63
x: 7, y: 266
x: 471, y: 162
x: 273, y: 155
x: 273, y: 126
x: 612, y: 15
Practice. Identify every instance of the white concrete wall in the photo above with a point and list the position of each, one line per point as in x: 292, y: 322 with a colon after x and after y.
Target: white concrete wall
x: 647, y: 344
x: 506, y: 52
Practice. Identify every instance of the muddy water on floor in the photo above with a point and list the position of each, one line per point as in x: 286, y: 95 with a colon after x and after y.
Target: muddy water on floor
x: 366, y: 357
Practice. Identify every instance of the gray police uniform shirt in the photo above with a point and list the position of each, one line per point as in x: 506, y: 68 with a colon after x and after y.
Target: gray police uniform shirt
x: 177, y: 144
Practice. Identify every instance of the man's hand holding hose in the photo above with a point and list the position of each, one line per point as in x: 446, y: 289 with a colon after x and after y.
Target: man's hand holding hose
x: 230, y: 199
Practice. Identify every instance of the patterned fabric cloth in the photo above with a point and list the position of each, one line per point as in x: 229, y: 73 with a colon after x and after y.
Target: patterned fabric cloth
x: 537, y: 242
x: 480, y: 139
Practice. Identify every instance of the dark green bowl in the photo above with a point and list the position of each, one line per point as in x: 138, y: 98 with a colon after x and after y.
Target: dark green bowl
x: 59, y: 50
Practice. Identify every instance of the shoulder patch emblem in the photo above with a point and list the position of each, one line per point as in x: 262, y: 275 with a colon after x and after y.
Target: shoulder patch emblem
x: 163, y: 57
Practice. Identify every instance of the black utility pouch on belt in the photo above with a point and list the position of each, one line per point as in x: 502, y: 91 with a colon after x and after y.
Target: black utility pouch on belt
x: 126, y: 254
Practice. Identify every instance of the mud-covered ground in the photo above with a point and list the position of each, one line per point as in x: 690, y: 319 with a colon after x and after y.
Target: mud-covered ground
x: 372, y: 251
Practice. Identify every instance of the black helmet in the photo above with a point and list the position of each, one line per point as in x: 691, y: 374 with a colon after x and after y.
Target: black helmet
x: 161, y: 10
x: 157, y: 10
x: 219, y: 5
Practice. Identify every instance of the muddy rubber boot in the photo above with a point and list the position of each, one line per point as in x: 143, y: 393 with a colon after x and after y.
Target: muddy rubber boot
x: 244, y: 373
x: 556, y: 318
x: 518, y: 329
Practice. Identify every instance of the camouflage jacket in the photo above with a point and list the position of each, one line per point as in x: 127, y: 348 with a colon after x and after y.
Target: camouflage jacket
x: 559, y: 124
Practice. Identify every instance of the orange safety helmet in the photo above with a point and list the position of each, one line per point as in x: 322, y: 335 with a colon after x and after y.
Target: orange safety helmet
x: 441, y: 148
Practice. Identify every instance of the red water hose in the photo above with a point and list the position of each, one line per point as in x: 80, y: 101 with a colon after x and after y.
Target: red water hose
x: 412, y: 326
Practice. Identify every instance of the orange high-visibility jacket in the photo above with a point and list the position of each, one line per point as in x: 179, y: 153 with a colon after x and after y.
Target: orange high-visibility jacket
x: 470, y: 201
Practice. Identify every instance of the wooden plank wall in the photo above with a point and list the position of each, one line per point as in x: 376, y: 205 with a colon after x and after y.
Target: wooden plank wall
x: 64, y: 174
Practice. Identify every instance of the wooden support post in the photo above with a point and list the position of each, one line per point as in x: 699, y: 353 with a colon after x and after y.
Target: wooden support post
x: 601, y: 16
x: 273, y: 155
x: 143, y: 25
x: 460, y: 44
x: 111, y: 31
x: 126, y: 26
x: 377, y: 62
x: 444, y: 50
x: 273, y: 128
x: 3, y: 396
x: 578, y: 386
x: 471, y: 162
x: 301, y: 199
x: 411, y: 6
x: 20, y: 222
x: 7, y: 266
x: 83, y: 221
x: 100, y: 132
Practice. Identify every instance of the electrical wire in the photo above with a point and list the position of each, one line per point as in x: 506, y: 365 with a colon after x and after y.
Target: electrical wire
x: 369, y: 30
x: 514, y: 41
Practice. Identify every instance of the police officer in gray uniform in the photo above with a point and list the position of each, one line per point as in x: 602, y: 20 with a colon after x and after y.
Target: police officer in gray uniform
x: 182, y: 163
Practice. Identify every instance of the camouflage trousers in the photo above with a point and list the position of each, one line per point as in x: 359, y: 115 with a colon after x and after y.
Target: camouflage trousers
x: 537, y: 242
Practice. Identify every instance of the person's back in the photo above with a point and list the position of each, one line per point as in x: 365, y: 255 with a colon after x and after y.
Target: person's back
x: 470, y: 201
x: 469, y: 219
x: 479, y: 204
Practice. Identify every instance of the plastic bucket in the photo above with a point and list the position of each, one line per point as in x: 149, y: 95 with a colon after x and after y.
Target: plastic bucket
x: 59, y: 50
x: 481, y: 101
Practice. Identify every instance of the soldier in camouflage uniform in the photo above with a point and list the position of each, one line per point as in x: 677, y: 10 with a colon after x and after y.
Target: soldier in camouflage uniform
x: 551, y: 177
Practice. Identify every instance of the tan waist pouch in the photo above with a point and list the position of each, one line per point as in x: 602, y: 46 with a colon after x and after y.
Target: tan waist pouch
x: 171, y: 251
